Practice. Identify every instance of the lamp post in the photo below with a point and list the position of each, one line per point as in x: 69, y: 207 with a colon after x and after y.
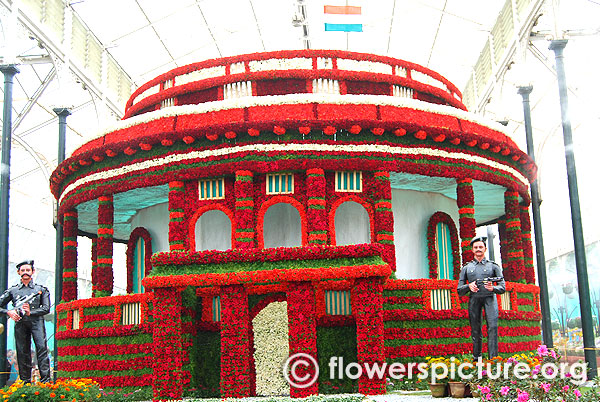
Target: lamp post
x: 62, y: 114
x: 9, y: 72
x: 579, y: 245
x: 524, y: 91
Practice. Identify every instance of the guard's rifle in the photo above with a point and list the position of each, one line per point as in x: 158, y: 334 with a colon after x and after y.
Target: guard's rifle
x: 481, y: 282
x: 22, y: 300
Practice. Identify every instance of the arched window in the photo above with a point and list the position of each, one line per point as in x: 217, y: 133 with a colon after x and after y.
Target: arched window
x: 282, y: 226
x: 139, y: 251
x: 352, y: 224
x: 442, y: 245
x: 213, y: 231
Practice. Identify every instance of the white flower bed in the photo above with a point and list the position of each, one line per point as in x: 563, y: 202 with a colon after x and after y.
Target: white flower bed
x: 271, y: 349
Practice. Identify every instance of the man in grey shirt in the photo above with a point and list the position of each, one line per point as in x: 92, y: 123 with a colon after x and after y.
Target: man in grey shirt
x: 482, y: 296
x: 29, y: 321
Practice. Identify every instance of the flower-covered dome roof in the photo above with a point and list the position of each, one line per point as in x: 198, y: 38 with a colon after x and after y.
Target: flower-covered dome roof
x: 232, y: 113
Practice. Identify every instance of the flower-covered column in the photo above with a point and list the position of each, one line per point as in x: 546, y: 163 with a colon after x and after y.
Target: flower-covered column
x: 465, y: 199
x: 69, y: 290
x: 244, y: 210
x: 513, y: 236
x: 527, y: 245
x: 367, y: 305
x: 177, y: 230
x: 384, y: 218
x: 102, y: 276
x: 316, y: 214
x: 302, y: 319
x: 167, y: 347
x: 235, y: 343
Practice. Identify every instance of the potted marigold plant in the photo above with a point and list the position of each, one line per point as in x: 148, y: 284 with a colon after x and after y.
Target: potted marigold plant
x: 438, y: 370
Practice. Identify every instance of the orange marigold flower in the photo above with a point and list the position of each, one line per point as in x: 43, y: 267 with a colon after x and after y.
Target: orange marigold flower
x: 52, y: 394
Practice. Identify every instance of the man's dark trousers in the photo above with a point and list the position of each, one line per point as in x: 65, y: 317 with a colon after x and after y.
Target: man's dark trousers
x: 24, y: 331
x: 491, y: 316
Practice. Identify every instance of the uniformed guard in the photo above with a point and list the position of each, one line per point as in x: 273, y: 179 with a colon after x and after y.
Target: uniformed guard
x: 30, y: 303
x: 474, y: 278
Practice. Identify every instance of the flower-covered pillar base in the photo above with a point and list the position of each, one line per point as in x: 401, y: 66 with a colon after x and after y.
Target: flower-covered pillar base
x: 102, y: 275
x: 302, y: 318
x: 465, y: 199
x: 167, y: 347
x: 367, y: 305
x: 384, y: 218
x: 514, y: 261
x: 244, y: 210
x: 235, y: 343
x: 69, y: 289
x: 177, y: 232
x: 316, y: 215
x: 527, y: 244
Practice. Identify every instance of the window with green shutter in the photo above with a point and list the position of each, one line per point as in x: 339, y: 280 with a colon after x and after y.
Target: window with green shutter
x: 443, y: 246
x: 211, y: 189
x: 337, y: 302
x: 280, y: 183
x: 216, y: 304
x: 348, y: 181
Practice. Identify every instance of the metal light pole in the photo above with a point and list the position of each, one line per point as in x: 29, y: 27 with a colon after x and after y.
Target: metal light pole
x: 524, y: 91
x: 9, y: 72
x: 62, y: 114
x: 580, y: 259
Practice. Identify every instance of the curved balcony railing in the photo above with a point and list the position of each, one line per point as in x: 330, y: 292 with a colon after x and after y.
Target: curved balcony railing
x: 285, y: 72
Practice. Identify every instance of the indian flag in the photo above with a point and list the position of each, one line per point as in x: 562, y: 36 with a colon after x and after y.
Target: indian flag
x: 343, y: 18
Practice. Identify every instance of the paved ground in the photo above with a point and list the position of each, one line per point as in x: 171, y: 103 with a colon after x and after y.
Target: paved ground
x: 415, y: 397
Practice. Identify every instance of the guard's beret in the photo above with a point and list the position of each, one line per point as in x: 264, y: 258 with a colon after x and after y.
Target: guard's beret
x: 479, y: 238
x: 26, y: 262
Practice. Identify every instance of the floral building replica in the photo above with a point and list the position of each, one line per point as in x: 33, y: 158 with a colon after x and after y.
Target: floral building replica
x: 325, y: 196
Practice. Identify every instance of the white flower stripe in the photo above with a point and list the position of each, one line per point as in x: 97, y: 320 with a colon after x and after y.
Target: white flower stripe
x: 295, y: 99
x: 291, y: 147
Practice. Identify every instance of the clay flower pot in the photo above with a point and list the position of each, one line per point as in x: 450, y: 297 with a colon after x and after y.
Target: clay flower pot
x: 457, y: 389
x: 438, y: 390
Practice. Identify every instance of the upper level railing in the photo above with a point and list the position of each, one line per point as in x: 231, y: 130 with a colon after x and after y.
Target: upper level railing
x: 286, y: 72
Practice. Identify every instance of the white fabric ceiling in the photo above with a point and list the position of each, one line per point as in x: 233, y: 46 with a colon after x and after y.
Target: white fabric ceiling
x: 149, y: 37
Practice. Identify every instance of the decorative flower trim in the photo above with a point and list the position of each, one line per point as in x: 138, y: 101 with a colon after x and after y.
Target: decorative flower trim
x: 131, y: 244
x: 308, y: 252
x: 491, y: 170
x: 527, y: 244
x: 432, y: 254
x: 439, y: 112
x: 270, y: 276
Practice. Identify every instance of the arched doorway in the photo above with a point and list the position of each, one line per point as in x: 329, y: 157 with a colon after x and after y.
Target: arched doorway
x: 271, y: 349
x: 352, y: 224
x: 213, y: 231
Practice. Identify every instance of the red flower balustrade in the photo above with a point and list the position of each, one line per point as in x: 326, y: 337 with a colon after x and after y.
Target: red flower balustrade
x: 102, y: 275
x: 383, y: 216
x: 235, y: 343
x: 177, y: 232
x: 167, y: 348
x: 465, y: 199
x: 69, y: 290
x: 244, y: 210
x: 513, y: 236
x: 316, y: 213
x: 367, y: 306
x: 302, y: 318
x: 527, y: 245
